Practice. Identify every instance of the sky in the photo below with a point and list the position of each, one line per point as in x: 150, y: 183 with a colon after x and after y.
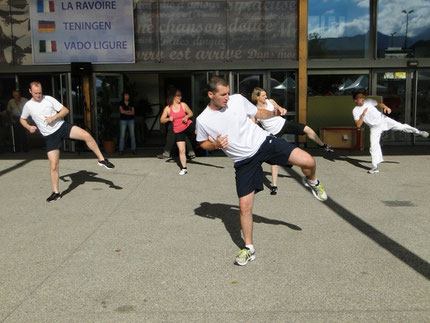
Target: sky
x: 340, y: 18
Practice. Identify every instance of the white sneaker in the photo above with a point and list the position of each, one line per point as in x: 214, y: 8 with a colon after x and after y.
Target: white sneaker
x: 373, y: 170
x: 424, y: 134
x: 183, y: 171
x: 318, y: 190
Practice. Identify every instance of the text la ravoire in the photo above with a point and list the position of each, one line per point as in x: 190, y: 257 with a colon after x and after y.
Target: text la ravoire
x: 88, y: 5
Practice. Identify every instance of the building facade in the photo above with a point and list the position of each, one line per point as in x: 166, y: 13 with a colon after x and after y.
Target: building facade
x: 302, y: 52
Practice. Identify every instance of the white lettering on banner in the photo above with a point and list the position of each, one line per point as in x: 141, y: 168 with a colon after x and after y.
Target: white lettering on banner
x: 218, y: 54
x: 97, y: 25
x: 89, y: 5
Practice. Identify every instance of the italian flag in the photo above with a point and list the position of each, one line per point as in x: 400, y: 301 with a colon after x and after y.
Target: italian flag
x: 47, y: 46
x: 45, y: 6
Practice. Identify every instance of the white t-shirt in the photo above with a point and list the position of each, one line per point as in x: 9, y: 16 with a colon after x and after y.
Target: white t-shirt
x: 273, y: 125
x: 373, y: 116
x: 244, y: 136
x: 38, y: 111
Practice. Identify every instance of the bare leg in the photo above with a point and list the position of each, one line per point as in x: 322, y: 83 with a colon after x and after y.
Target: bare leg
x: 311, y: 134
x: 54, y: 167
x: 182, y: 157
x: 246, y: 221
x: 305, y: 161
x: 81, y: 134
x: 274, y: 175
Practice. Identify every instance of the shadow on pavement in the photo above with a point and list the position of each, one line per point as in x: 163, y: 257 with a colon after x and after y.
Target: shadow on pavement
x: 83, y: 176
x: 16, y: 166
x: 229, y: 215
x: 397, y: 250
x: 192, y: 161
x: 353, y: 161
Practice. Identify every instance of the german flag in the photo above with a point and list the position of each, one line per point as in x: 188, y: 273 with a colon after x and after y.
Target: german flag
x: 46, y: 26
x: 45, y: 6
x: 47, y: 46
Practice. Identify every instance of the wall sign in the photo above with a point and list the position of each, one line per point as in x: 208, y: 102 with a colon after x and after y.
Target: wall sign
x: 82, y: 31
x: 230, y: 30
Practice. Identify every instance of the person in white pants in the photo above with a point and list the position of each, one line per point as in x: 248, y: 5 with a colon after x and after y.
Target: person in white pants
x: 378, y: 122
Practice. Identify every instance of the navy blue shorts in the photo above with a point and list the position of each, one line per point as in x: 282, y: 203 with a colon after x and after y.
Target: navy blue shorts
x: 55, y: 140
x: 292, y: 128
x: 249, y: 172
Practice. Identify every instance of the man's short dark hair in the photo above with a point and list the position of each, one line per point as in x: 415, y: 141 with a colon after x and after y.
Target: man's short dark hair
x: 215, y: 81
x: 354, y: 95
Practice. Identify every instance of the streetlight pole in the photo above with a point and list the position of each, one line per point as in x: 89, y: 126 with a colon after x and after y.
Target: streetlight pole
x: 407, y: 21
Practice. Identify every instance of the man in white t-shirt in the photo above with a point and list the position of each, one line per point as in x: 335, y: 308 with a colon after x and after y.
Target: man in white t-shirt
x: 378, y: 122
x: 225, y: 124
x: 48, y: 115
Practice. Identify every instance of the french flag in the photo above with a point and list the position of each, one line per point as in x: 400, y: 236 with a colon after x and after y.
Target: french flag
x: 45, y: 6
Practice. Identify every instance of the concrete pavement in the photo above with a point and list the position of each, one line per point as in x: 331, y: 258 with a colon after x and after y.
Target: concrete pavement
x: 142, y: 244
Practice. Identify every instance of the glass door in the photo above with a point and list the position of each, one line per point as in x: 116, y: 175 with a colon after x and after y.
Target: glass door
x: 421, y: 108
x: 245, y: 82
x: 395, y: 88
x: 107, y: 93
x: 61, y: 90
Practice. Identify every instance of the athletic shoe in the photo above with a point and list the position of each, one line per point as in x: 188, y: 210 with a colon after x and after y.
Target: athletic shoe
x: 53, y: 197
x: 424, y: 134
x: 191, y: 156
x: 164, y: 155
x: 317, y: 190
x: 373, y: 170
x: 106, y: 163
x: 328, y: 148
x: 274, y: 190
x: 183, y: 171
x: 243, y: 256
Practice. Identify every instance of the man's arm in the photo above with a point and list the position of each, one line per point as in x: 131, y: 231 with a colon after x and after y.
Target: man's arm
x: 277, y: 106
x: 266, y: 114
x: 360, y: 121
x: 384, y: 108
x: 27, y: 126
x: 212, y: 144
x: 60, y: 114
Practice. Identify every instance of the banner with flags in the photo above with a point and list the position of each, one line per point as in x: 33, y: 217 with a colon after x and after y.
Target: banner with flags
x: 45, y: 6
x: 47, y: 46
x: 82, y: 31
x: 46, y: 26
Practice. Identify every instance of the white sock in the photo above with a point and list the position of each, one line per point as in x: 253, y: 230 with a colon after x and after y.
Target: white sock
x: 313, y: 183
x: 250, y: 247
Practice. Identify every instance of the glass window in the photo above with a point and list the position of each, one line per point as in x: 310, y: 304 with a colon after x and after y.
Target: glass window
x: 391, y: 86
x: 7, y: 85
x: 344, y: 84
x: 338, y: 29
x: 217, y: 30
x: 283, y: 90
x: 423, y: 102
x: 403, y: 28
x: 247, y: 83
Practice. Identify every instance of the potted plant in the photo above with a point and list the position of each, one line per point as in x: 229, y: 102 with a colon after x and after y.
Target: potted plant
x: 107, y: 124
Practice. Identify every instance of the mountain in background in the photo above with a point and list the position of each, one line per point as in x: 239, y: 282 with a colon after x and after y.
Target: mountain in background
x: 355, y: 44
